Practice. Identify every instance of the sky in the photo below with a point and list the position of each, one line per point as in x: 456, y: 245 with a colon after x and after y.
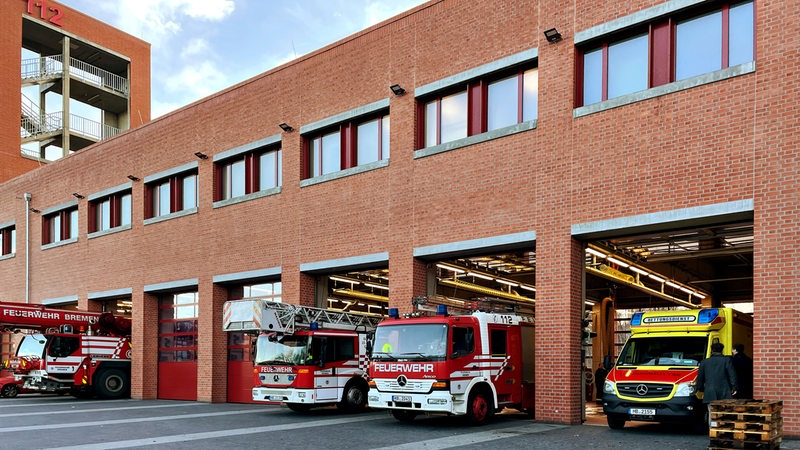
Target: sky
x: 199, y: 47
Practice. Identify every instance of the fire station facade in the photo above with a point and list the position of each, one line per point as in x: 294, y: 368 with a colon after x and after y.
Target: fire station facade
x: 502, y: 138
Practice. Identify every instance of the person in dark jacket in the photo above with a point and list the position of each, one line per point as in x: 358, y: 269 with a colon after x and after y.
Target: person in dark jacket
x: 716, y: 378
x: 743, y: 366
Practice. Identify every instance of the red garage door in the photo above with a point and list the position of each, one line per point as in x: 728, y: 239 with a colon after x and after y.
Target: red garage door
x: 240, y: 368
x: 177, y: 347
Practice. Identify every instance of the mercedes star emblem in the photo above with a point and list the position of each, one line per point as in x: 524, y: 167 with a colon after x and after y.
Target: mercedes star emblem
x: 641, y: 389
x: 402, y: 380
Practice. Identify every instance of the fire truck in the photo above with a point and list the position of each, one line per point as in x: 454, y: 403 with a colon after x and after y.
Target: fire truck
x: 305, y: 357
x: 472, y: 364
x: 76, y: 352
x: 653, y: 379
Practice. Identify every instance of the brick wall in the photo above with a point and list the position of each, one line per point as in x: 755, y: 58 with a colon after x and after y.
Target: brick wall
x: 730, y: 140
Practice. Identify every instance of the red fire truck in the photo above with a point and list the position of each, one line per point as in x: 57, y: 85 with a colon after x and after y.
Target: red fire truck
x: 305, y: 357
x: 76, y: 352
x: 472, y: 364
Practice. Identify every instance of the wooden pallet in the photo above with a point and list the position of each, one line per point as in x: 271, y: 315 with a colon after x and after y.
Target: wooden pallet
x: 723, y: 424
x: 744, y: 435
x: 747, y: 406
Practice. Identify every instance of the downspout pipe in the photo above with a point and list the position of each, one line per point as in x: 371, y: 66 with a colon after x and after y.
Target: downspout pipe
x: 27, y: 197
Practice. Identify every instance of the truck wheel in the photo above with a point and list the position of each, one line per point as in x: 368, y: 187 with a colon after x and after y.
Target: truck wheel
x: 615, y: 423
x: 479, y: 408
x: 299, y: 407
x: 354, y: 398
x: 404, y: 415
x: 112, y: 383
x: 10, y: 390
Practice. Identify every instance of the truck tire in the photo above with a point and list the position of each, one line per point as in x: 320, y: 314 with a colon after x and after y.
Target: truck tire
x: 615, y: 423
x: 112, y: 383
x: 354, y: 398
x: 404, y: 415
x: 10, y: 390
x: 479, y: 408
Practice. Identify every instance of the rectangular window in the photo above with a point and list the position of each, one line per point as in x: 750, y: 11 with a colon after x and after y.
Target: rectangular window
x: 8, y: 240
x: 60, y: 226
x: 490, y: 103
x: 348, y: 144
x: 666, y: 50
x: 110, y: 212
x: 373, y: 141
x: 170, y: 195
x: 270, y: 291
x: 248, y: 172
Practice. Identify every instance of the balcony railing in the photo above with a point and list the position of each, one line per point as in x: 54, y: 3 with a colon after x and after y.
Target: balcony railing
x: 50, y: 66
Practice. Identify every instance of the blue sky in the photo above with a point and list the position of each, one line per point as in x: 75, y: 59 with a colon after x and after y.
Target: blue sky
x: 203, y: 46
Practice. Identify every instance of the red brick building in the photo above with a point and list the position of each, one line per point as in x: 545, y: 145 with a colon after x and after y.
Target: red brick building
x: 662, y: 132
x: 103, y: 90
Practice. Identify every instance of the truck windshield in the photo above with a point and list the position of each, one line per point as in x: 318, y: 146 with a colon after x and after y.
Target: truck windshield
x: 418, y: 342
x: 282, y: 349
x: 32, y: 345
x: 661, y: 351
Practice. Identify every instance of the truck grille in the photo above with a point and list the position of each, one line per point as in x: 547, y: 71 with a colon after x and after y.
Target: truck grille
x: 391, y: 385
x: 644, y: 390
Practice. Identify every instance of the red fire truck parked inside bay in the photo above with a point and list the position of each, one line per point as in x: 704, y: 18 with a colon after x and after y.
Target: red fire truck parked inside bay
x: 305, y: 357
x: 474, y: 364
x: 76, y: 352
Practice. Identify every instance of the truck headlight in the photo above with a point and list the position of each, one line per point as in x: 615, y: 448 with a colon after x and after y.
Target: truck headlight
x: 608, y: 387
x: 684, y: 389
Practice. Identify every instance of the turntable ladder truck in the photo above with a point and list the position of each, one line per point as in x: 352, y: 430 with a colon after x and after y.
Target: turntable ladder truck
x: 305, y: 357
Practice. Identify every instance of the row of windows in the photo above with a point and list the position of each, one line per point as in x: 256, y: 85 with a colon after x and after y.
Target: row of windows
x: 651, y: 54
x: 670, y: 49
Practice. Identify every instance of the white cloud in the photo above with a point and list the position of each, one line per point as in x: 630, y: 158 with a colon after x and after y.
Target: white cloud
x: 195, y: 47
x: 201, y: 79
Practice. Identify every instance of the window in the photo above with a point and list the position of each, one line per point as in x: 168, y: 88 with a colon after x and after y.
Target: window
x: 60, y: 226
x: 8, y: 240
x: 703, y: 42
x: 484, y: 105
x: 171, y: 194
x: 270, y: 291
x: 348, y: 144
x: 497, y: 342
x: 248, y: 172
x: 177, y: 323
x: 110, y: 212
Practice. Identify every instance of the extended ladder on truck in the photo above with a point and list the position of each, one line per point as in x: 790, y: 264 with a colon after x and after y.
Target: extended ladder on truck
x: 268, y: 315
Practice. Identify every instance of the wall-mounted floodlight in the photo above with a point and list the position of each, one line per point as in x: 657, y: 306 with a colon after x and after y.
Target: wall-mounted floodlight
x: 201, y: 155
x: 286, y: 127
x: 552, y: 35
x: 397, y: 89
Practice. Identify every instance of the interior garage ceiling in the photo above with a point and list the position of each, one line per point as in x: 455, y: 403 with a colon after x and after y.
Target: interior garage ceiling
x: 717, y: 260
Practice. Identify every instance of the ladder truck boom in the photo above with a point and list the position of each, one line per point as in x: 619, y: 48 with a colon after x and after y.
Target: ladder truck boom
x: 268, y: 315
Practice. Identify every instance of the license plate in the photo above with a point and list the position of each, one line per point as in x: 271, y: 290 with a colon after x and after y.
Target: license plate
x: 275, y: 398
x: 401, y: 398
x: 642, y: 412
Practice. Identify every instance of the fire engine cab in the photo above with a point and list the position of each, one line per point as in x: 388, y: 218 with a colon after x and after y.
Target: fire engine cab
x: 76, y: 352
x: 305, y: 357
x: 473, y: 364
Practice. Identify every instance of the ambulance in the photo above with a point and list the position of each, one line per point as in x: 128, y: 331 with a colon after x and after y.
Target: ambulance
x: 653, y: 379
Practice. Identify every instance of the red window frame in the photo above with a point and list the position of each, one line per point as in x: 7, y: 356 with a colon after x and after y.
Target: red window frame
x: 115, y: 211
x: 6, y: 233
x: 175, y: 193
x: 477, y: 103
x: 661, y: 34
x: 348, y: 142
x: 64, y: 228
x: 252, y: 171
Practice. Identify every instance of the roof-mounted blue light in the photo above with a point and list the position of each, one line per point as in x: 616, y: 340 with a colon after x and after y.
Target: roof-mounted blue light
x: 636, y: 320
x: 706, y: 316
x: 441, y: 310
x: 394, y: 313
x: 313, y: 326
